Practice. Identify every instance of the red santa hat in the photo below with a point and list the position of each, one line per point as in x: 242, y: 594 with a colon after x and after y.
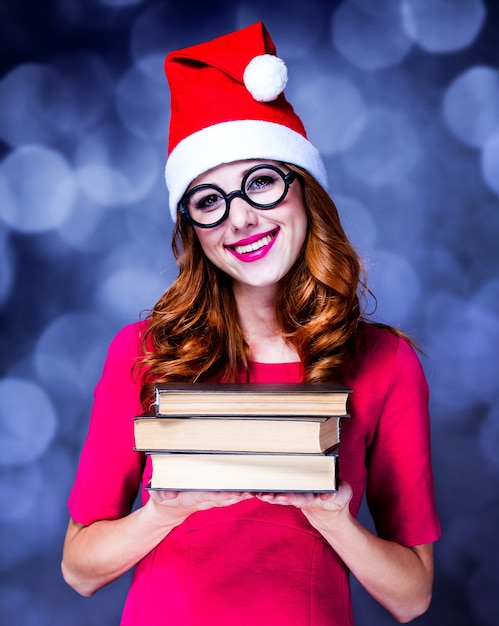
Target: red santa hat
x: 228, y: 104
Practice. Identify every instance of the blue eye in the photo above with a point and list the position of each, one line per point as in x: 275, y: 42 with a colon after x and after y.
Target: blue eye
x: 262, y: 182
x: 206, y: 202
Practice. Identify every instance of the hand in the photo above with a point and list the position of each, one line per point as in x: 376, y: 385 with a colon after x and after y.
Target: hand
x: 318, y: 508
x: 183, y: 503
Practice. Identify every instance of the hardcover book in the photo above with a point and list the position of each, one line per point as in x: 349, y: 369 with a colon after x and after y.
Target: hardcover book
x: 245, y: 472
x: 313, y: 435
x: 321, y: 399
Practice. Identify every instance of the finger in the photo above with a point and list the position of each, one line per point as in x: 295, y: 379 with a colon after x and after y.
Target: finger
x: 162, y: 495
x: 208, y: 499
x: 291, y: 499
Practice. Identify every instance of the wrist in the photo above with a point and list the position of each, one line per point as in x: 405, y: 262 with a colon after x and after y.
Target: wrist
x: 329, y: 521
x: 161, y: 516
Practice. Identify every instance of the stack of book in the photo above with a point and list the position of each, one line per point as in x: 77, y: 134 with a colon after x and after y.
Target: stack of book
x: 244, y: 437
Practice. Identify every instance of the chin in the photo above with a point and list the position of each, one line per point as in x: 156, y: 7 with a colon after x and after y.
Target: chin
x: 259, y: 281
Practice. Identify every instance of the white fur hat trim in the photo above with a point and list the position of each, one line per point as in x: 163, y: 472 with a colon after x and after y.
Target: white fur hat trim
x: 265, y: 77
x: 236, y: 141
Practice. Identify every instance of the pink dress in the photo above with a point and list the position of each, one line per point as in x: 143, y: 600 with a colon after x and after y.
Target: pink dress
x: 254, y: 563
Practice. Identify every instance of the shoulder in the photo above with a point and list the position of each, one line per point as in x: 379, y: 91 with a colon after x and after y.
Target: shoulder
x: 129, y: 339
x: 124, y: 352
x: 379, y: 342
x: 380, y: 354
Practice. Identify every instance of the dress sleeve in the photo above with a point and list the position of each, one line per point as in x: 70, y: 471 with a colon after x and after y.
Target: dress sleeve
x: 109, y: 471
x: 400, y: 492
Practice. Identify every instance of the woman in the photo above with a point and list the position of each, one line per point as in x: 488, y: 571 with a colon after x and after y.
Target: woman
x: 269, y: 289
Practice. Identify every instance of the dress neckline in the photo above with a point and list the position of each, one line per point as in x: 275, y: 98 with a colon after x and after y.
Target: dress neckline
x: 291, y: 372
x: 285, y: 363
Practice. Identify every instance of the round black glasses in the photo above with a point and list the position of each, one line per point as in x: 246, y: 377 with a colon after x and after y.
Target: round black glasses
x: 263, y: 187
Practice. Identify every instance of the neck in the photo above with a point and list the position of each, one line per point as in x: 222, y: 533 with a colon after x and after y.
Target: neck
x: 256, y: 310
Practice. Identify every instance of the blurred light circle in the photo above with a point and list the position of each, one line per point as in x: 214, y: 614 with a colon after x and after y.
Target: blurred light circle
x: 28, y: 421
x: 464, y: 343
x: 149, y: 227
x: 443, y: 26
x: 115, y: 168
x: 43, y: 104
x: 490, y: 163
x: 19, y: 487
x: 84, y: 92
x: 471, y: 106
x: 50, y: 506
x: 480, y: 346
x: 17, y: 545
x: 37, y: 189
x: 154, y: 33
x: 23, y: 92
x: 70, y: 352
x: 358, y: 223
x: 128, y: 291
x: 446, y: 378
x: 7, y: 261
x: 295, y: 30
x: 370, y: 39
x: 401, y: 215
x: 143, y: 104
x: 332, y: 110
x: 152, y: 66
x: 441, y: 267
x: 71, y: 403
x: 84, y: 229
x: 386, y: 151
x: 395, y: 284
x: 487, y: 297
x: 161, y: 28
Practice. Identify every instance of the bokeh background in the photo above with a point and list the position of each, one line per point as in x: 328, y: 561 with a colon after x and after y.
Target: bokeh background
x: 401, y: 97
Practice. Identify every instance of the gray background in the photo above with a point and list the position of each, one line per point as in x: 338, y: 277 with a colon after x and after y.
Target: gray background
x: 401, y: 97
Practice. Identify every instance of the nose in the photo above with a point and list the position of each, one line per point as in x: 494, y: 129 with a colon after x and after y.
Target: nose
x: 241, y: 213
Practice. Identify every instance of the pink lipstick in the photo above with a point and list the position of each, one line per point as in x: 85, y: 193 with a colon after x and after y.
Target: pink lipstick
x: 255, y: 247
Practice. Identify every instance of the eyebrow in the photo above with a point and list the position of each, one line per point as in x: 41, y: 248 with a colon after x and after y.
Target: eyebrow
x: 255, y: 164
x: 244, y: 171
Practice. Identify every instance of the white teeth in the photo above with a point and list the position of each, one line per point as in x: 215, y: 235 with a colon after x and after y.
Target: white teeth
x: 251, y: 247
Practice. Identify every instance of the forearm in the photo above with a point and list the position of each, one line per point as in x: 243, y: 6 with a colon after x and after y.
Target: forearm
x: 400, y: 578
x: 97, y: 554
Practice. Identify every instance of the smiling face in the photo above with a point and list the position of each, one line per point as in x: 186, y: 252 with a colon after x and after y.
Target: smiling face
x: 255, y: 247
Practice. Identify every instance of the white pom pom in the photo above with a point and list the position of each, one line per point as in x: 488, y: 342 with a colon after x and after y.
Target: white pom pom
x: 265, y: 77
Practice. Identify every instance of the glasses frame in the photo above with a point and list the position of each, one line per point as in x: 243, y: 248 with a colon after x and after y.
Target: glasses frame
x: 288, y: 179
